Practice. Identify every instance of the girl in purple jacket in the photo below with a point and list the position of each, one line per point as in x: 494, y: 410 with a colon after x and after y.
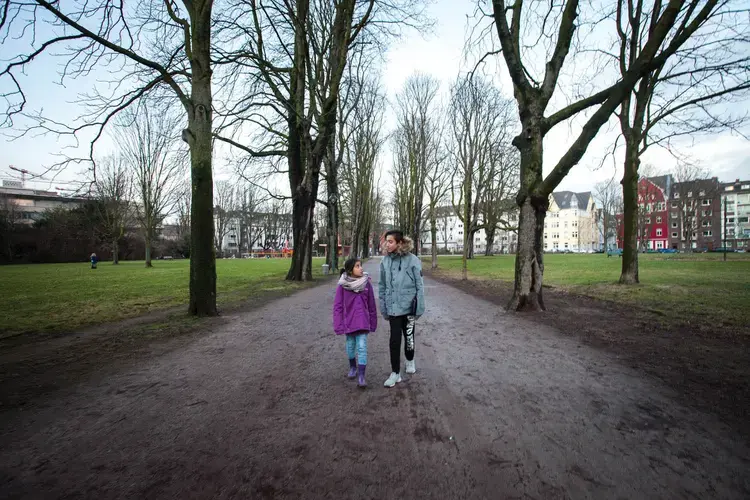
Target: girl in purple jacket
x: 355, y: 315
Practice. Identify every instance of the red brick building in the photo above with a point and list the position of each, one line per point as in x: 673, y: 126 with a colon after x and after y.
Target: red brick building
x: 653, y: 214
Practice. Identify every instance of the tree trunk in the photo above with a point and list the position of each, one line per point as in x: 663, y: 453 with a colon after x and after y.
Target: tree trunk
x: 465, y: 257
x: 527, y: 292
x: 303, y: 209
x: 332, y: 213
x: 202, y: 256
x: 470, y: 246
x: 529, y: 272
x: 148, y: 248
x: 629, y: 274
x: 115, y: 252
x: 489, y: 251
x: 433, y: 249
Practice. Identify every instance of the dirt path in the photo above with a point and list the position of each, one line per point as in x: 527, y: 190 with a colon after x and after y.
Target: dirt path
x: 260, y: 408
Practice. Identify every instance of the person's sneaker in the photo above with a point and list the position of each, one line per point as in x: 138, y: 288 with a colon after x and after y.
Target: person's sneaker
x: 394, y: 379
x: 411, y: 366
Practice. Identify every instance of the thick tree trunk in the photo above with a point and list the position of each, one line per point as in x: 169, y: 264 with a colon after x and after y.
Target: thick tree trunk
x: 332, y: 230
x: 527, y: 292
x: 433, y: 247
x: 148, y: 250
x: 629, y: 273
x: 303, y: 210
x: 470, y: 246
x: 199, y: 137
x: 529, y: 272
x: 115, y: 252
x: 465, y: 257
x: 489, y: 251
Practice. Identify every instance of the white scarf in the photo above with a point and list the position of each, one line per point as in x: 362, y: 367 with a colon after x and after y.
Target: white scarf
x: 356, y: 285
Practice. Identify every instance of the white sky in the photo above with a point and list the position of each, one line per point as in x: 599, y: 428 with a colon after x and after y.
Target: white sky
x: 440, y: 54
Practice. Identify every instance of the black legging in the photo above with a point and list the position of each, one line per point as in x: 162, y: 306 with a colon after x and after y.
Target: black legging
x: 401, y: 326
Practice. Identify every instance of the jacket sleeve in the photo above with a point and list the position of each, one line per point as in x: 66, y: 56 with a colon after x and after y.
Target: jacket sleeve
x: 338, y: 311
x: 419, y: 283
x: 372, y: 306
x: 381, y: 288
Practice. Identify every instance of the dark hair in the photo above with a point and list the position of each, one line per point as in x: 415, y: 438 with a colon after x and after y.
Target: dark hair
x: 397, y: 234
x: 349, y: 265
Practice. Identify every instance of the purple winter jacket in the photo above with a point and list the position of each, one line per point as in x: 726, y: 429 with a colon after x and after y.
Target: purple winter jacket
x: 354, y: 312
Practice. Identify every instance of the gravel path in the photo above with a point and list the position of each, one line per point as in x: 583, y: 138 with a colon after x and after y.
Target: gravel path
x: 260, y: 408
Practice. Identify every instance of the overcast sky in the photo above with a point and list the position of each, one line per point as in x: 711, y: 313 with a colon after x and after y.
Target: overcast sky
x: 439, y: 53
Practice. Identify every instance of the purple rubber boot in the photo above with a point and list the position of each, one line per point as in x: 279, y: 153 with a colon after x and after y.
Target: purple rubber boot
x: 352, y: 368
x: 361, y: 378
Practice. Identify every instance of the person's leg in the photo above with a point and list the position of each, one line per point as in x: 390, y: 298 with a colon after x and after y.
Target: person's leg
x: 395, y: 346
x: 410, y: 323
x: 351, y: 348
x: 396, y: 324
x: 361, y: 358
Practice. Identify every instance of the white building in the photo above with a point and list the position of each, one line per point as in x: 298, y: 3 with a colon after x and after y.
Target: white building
x: 450, y: 235
x: 571, y: 223
x: 28, y: 205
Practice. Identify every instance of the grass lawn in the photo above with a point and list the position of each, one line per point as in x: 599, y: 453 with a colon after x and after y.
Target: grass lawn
x: 65, y: 297
x: 685, y: 287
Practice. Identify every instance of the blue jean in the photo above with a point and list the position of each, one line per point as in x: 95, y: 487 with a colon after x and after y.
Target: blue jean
x: 356, y: 344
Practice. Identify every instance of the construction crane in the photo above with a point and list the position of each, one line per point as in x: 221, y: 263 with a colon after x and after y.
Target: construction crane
x: 23, y: 174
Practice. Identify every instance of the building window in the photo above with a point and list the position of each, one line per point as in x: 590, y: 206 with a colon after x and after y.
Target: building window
x: 706, y: 202
x: 730, y: 220
x: 746, y: 186
x: 574, y: 223
x: 575, y: 234
x: 566, y: 244
x: 674, y: 215
x: 659, y: 244
x: 706, y: 223
x: 674, y: 205
x: 674, y: 235
x: 658, y: 220
x: 658, y: 232
x: 565, y: 224
x: 690, y: 194
x: 743, y: 220
x: 648, y: 221
x: 707, y: 233
x: 729, y: 188
x: 707, y: 213
x: 674, y: 225
x: 677, y: 196
x: 555, y: 245
x: 701, y: 193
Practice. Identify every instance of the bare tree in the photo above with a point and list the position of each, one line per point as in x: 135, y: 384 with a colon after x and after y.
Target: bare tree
x: 674, y: 23
x: 609, y: 197
x: 480, y: 119
x: 160, y: 48
x: 300, y: 50
x: 686, y: 94
x: 416, y: 144
x: 113, y: 189
x: 499, y: 205
x: 182, y: 208
x: 148, y: 141
x: 691, y: 186
x: 437, y: 188
x: 225, y: 210
x: 361, y: 160
x: 248, y: 207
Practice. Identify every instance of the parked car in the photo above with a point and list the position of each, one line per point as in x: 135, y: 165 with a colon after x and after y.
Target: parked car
x: 667, y: 250
x: 614, y: 251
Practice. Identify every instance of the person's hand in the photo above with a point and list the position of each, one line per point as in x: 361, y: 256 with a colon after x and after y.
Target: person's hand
x: 386, y: 317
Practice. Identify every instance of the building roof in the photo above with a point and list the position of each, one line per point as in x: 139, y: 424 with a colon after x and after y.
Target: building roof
x: 563, y: 199
x: 663, y: 181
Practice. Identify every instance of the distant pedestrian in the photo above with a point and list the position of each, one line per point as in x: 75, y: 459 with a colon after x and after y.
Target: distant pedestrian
x: 94, y: 260
x: 401, y: 293
x: 355, y: 315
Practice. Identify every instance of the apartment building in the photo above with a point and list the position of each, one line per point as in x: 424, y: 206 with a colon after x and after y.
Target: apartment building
x: 571, y: 223
x: 734, y: 206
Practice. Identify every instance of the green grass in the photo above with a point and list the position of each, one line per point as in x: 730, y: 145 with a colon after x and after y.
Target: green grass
x: 66, y: 297
x: 684, y: 288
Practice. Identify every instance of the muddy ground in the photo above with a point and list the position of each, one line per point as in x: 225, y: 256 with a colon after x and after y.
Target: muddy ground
x: 256, y: 405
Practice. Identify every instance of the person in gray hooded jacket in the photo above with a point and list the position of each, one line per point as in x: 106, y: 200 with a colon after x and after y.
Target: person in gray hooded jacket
x: 401, y: 293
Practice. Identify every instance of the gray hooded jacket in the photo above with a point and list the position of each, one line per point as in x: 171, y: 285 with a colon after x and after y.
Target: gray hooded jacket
x: 401, y: 283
